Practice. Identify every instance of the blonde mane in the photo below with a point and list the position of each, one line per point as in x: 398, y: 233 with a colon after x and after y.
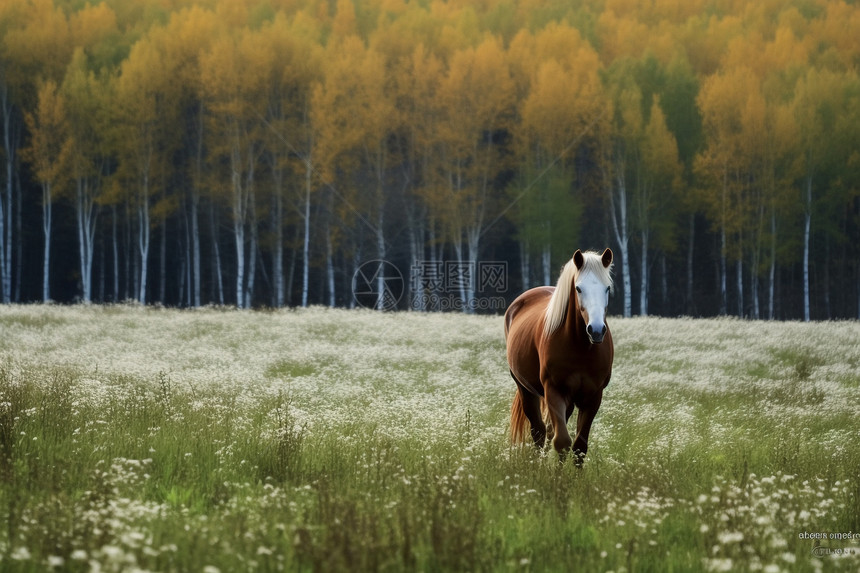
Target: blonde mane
x: 557, y: 307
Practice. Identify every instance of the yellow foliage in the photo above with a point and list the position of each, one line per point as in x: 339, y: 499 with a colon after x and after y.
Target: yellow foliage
x: 343, y: 25
x: 48, y: 140
x: 459, y: 94
x: 92, y: 24
x: 38, y: 42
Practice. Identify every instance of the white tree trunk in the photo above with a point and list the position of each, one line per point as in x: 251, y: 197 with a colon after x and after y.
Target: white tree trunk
x: 307, y: 236
x: 143, y: 238
x: 458, y: 251
x: 329, y: 268
x: 143, y: 245
x: 239, y: 239
x: 724, y: 309
x: 195, y: 246
x: 416, y: 240
x: 252, y: 248
x: 755, y: 263
x: 380, y: 253
x: 643, y: 284
x: 195, y: 206
x: 618, y: 211
x: 474, y: 237
x: 46, y: 229
x: 239, y: 216
x: 546, y: 263
x: 278, y: 260
x: 6, y: 237
x: 807, y: 223
x: 772, y: 273
x: 216, y: 254
x: 4, y: 279
x: 740, y: 285
x: 6, y: 210
x: 756, y: 311
x: 86, y: 218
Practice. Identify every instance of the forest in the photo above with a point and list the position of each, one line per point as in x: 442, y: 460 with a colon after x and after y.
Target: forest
x: 256, y: 152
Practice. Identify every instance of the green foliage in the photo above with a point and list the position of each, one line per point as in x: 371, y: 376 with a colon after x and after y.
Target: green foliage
x: 547, y: 211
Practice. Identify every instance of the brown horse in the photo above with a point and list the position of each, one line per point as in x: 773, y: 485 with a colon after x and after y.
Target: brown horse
x: 560, y: 353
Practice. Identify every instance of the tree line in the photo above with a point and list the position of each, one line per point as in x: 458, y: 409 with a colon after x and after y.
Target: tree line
x: 257, y: 152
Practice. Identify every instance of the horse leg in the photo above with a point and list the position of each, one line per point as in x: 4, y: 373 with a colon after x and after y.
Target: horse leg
x: 531, y: 407
x: 550, y: 430
x: 583, y: 426
x: 556, y: 407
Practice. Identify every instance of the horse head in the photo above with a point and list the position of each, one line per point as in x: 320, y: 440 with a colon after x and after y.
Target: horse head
x: 593, y: 284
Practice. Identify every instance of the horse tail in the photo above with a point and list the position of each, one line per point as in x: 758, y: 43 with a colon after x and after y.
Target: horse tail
x: 518, y: 420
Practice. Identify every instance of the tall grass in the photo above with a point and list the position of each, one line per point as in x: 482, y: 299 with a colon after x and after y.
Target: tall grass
x: 146, y: 439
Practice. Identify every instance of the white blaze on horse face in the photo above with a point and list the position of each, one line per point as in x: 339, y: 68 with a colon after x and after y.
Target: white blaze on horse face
x: 593, y: 300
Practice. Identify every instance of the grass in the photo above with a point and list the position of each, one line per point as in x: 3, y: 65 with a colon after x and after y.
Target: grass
x: 161, y: 440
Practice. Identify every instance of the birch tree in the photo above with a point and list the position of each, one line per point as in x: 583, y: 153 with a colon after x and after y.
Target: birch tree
x: 355, y: 113
x: 725, y: 167
x: 183, y: 41
x: 558, y: 118
x: 232, y: 83
x: 823, y: 100
x: 34, y: 43
x: 476, y: 106
x: 87, y: 98
x: 145, y: 115
x: 47, y: 155
x: 621, y: 155
x: 658, y: 177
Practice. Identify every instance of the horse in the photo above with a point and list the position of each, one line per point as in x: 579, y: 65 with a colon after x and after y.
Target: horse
x: 560, y: 353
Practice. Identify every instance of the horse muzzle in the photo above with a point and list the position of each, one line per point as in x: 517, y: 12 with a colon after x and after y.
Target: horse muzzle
x: 595, y: 335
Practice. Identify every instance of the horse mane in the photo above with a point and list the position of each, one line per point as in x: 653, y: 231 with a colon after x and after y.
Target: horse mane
x: 557, y: 307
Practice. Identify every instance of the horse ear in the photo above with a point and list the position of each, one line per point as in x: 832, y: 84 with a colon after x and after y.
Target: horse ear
x: 578, y: 259
x: 606, y: 258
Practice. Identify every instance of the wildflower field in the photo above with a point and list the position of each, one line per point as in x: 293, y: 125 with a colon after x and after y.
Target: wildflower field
x: 322, y: 440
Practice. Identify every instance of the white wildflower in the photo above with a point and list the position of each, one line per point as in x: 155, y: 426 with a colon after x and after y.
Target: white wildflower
x: 718, y: 564
x: 728, y: 537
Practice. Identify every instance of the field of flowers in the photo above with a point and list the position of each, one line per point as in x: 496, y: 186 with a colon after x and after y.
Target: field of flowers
x: 213, y: 440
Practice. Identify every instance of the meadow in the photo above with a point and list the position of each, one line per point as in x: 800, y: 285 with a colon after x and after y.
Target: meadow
x: 146, y: 439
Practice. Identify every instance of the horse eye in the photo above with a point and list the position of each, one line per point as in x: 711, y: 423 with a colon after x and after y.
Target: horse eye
x: 579, y: 290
